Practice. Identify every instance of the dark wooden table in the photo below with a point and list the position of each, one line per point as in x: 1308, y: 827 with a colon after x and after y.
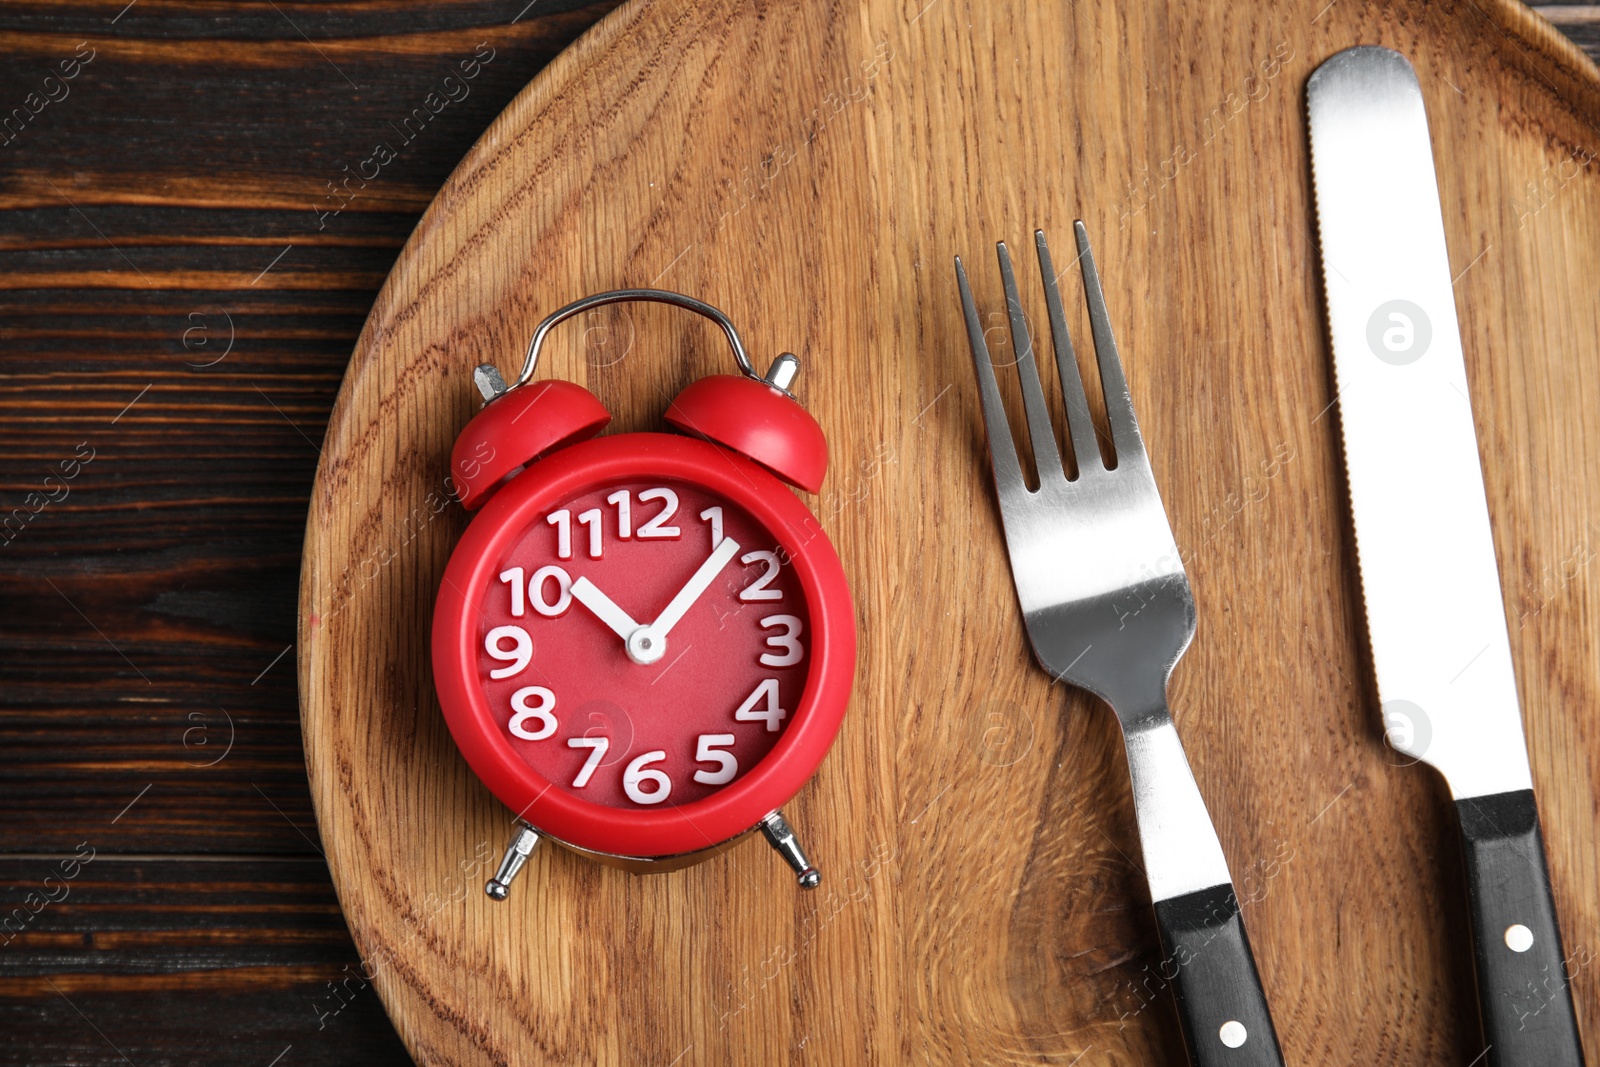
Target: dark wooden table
x: 201, y: 202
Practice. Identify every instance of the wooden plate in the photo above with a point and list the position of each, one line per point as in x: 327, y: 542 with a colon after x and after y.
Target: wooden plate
x: 812, y: 169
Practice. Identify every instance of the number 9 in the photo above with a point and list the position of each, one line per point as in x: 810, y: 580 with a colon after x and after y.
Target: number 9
x: 519, y: 655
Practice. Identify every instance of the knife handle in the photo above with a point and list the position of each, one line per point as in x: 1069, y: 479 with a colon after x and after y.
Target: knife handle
x: 1220, y: 1001
x: 1523, y: 974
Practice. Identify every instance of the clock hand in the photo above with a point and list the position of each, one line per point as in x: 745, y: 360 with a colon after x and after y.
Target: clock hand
x: 604, y: 608
x: 680, y: 604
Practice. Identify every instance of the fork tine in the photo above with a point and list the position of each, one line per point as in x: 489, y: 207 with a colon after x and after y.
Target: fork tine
x: 1119, y: 402
x: 1080, y: 424
x: 1046, y: 457
x: 1002, y: 450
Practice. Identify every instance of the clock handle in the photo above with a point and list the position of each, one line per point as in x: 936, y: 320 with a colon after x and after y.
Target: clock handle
x: 517, y: 853
x: 780, y: 835
x: 780, y: 369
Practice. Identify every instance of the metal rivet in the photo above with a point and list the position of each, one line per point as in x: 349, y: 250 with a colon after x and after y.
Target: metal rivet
x: 782, y: 373
x: 1233, y: 1033
x: 491, y: 385
x: 1518, y: 938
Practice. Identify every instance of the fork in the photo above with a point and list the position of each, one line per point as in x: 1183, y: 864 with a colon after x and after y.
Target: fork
x: 1108, y: 609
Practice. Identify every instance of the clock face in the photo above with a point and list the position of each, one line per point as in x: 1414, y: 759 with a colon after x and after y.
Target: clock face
x: 642, y: 644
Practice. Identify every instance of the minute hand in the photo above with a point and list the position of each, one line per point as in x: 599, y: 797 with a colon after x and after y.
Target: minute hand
x: 698, y: 584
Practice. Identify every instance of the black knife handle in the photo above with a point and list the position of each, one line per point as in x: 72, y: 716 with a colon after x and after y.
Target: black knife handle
x: 1528, y: 1019
x: 1214, y: 979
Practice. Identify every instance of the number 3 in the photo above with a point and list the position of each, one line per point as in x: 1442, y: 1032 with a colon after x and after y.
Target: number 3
x: 788, y: 641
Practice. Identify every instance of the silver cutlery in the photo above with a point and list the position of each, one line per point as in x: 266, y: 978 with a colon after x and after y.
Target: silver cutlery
x: 1430, y: 587
x: 1108, y: 608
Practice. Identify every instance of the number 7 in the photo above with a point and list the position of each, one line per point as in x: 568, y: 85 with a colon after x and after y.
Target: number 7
x: 599, y: 745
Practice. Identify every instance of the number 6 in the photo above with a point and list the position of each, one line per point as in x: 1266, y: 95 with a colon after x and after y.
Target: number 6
x: 636, y: 775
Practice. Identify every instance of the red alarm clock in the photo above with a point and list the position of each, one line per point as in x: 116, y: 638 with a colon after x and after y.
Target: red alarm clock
x: 644, y: 643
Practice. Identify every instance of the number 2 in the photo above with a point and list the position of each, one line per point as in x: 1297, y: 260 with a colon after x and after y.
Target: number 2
x: 669, y: 507
x: 757, y: 590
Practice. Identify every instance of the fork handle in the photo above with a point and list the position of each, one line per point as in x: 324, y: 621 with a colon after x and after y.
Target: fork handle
x: 1208, y: 960
x: 1213, y: 974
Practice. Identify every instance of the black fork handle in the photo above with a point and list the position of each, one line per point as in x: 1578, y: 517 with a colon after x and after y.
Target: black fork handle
x: 1213, y: 974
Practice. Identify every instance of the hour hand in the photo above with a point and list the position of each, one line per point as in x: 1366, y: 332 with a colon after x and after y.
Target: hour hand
x: 604, y: 608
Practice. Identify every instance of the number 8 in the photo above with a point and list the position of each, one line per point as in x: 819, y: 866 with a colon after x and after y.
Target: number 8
x: 547, y: 721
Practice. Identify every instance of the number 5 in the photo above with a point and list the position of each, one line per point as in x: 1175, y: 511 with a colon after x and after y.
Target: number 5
x: 707, y: 753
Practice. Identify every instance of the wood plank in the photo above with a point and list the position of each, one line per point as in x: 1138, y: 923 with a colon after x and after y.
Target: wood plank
x: 110, y: 959
x: 142, y: 211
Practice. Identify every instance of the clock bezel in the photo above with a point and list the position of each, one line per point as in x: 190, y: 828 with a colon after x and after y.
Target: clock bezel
x: 811, y: 726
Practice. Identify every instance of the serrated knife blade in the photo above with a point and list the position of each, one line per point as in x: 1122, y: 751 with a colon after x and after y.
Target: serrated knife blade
x: 1430, y: 585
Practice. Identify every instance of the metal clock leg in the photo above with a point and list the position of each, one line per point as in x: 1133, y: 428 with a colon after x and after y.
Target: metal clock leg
x: 776, y: 829
x: 521, y: 847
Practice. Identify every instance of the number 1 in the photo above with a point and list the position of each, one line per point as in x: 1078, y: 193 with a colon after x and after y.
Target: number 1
x: 714, y: 517
x: 622, y: 500
x: 562, y: 521
x: 591, y: 519
x: 513, y: 578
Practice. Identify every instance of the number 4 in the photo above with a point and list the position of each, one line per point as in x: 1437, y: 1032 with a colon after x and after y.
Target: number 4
x: 771, y: 714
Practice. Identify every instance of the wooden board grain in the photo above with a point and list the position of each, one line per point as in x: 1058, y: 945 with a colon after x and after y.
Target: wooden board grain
x: 148, y: 706
x: 812, y: 170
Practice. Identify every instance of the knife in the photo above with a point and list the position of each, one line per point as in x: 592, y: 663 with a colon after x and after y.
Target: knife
x: 1437, y: 625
